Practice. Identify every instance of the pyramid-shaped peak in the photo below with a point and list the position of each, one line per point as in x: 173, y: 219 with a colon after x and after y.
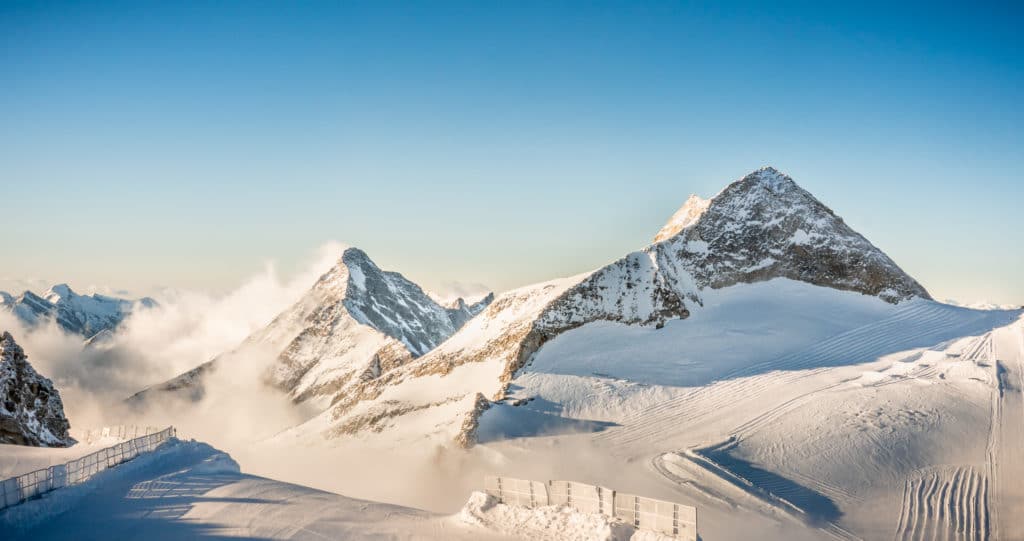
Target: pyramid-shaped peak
x: 765, y: 226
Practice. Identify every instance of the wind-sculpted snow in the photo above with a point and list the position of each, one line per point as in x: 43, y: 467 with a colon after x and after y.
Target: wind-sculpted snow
x: 31, y: 411
x: 85, y: 315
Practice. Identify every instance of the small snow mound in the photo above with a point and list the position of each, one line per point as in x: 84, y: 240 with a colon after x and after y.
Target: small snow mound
x: 549, y: 522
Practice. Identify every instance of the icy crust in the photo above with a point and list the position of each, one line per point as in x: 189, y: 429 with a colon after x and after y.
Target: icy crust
x: 31, y: 411
x: 557, y: 523
x: 85, y: 315
x: 765, y: 226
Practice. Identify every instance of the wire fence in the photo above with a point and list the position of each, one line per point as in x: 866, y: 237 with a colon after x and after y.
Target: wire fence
x: 24, y: 487
x: 121, y: 432
x: 643, y: 513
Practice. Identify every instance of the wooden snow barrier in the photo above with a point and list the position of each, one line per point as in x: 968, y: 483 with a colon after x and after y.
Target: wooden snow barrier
x: 643, y: 513
x: 34, y: 484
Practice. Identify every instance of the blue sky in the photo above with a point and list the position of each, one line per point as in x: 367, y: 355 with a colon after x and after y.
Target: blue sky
x: 184, y: 143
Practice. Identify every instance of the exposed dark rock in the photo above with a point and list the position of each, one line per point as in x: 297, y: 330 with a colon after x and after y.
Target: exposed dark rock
x: 31, y: 411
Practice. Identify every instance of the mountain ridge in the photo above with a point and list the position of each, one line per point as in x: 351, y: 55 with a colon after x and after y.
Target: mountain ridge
x: 84, y: 315
x: 356, y: 322
x: 759, y: 227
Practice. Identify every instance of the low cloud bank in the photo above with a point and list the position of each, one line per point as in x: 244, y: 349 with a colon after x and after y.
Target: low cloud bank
x: 151, y: 346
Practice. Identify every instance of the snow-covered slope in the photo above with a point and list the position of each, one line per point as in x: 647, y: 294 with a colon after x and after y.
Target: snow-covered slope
x: 758, y: 228
x: 31, y: 411
x: 85, y: 315
x: 356, y: 323
x: 190, y: 490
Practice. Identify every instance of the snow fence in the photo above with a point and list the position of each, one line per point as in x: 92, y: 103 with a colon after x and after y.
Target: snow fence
x: 644, y: 513
x: 121, y: 432
x: 34, y: 484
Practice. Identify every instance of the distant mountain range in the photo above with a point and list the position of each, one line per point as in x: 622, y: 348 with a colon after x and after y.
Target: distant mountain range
x: 85, y: 315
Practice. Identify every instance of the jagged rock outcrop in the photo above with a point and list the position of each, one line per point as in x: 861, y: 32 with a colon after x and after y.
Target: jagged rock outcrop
x: 760, y: 227
x: 31, y: 411
x: 765, y: 226
x: 354, y: 325
x: 85, y: 315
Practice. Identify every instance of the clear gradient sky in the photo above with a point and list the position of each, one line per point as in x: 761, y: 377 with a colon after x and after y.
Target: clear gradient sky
x: 185, y: 143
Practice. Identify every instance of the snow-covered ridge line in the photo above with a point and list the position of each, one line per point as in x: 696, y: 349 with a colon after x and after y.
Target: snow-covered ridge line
x: 21, y: 488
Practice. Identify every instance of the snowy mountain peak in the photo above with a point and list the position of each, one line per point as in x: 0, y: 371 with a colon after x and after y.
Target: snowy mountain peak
x: 356, y: 323
x: 765, y: 226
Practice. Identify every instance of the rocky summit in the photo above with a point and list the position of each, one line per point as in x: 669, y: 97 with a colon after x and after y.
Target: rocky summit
x: 355, y: 324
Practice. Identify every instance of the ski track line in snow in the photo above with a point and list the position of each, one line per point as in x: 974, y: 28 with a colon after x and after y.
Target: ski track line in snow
x: 851, y: 345
x: 979, y: 350
x: 1006, y: 442
x: 946, y: 503
x: 928, y: 323
x: 766, y: 493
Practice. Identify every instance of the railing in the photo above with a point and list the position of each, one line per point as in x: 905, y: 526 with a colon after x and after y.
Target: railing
x: 34, y: 484
x: 121, y: 432
x: 643, y: 513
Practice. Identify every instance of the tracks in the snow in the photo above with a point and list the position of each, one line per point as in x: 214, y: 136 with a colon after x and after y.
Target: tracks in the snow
x: 917, y: 325
x: 945, y: 504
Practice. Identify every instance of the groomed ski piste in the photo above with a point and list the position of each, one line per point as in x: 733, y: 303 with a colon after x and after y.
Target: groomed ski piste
x: 856, y: 420
x: 190, y: 490
x: 780, y: 410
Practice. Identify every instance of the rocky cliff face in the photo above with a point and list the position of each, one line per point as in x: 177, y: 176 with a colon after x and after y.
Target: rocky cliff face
x: 760, y: 227
x: 85, y: 315
x: 765, y: 226
x: 355, y: 324
x: 31, y: 411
